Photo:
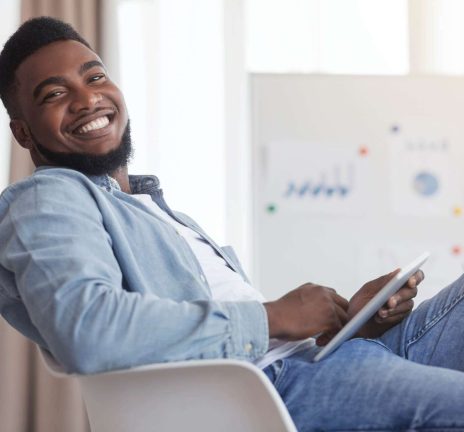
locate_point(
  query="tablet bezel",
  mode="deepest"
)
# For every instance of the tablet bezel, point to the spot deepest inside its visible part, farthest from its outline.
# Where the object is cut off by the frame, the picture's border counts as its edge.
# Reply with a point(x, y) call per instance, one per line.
point(371, 308)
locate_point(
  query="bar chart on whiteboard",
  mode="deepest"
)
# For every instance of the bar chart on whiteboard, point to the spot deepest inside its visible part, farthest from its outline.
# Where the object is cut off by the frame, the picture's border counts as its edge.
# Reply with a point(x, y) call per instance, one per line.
point(334, 183)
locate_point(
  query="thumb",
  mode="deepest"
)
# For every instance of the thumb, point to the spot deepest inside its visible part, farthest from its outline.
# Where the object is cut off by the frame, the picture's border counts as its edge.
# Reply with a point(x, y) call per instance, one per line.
point(389, 276)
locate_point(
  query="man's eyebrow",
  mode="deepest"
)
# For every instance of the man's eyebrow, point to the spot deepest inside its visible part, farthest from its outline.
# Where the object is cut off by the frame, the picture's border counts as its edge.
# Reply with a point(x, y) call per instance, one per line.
point(89, 65)
point(46, 82)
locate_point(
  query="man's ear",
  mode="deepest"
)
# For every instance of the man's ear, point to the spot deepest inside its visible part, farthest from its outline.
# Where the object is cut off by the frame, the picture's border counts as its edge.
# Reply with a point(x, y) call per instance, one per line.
point(21, 132)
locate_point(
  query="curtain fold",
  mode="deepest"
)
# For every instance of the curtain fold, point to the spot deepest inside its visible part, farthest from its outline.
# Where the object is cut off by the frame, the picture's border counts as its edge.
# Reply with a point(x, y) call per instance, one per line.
point(31, 400)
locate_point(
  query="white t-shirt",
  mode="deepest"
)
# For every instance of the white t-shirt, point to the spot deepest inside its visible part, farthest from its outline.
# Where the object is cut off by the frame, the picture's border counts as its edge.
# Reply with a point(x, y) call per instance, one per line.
point(225, 283)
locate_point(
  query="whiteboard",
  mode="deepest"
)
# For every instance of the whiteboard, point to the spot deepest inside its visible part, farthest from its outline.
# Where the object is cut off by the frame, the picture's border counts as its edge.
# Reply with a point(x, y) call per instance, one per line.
point(354, 176)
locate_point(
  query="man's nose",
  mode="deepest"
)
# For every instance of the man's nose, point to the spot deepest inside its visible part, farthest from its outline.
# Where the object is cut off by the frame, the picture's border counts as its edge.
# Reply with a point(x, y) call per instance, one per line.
point(85, 100)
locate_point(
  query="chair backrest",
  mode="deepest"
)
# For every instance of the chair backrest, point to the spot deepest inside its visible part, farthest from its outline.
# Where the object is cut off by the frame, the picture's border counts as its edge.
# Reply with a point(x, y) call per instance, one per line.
point(206, 396)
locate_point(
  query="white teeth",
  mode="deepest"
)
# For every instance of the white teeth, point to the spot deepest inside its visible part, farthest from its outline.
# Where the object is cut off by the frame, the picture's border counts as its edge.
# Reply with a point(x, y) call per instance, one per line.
point(98, 123)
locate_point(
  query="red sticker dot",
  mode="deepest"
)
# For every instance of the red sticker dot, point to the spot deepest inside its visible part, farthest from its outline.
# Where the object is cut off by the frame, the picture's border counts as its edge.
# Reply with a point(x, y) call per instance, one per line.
point(363, 151)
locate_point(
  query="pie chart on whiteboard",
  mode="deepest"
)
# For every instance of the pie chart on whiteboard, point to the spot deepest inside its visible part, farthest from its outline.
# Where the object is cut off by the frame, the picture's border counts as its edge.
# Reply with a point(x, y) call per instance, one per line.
point(426, 184)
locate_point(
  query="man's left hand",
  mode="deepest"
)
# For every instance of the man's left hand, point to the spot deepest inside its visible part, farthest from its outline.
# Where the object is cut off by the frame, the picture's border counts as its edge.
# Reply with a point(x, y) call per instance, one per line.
point(393, 311)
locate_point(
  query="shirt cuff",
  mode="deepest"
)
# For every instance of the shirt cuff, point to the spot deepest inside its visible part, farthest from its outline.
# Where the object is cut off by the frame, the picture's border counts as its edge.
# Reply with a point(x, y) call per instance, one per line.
point(249, 329)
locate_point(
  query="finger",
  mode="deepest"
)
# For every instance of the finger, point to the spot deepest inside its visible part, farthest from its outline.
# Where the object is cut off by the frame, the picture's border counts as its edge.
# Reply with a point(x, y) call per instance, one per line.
point(403, 308)
point(322, 340)
point(416, 279)
point(404, 294)
point(406, 306)
point(412, 282)
point(325, 338)
point(419, 276)
point(340, 305)
point(335, 322)
point(340, 301)
point(342, 315)
point(386, 278)
point(392, 320)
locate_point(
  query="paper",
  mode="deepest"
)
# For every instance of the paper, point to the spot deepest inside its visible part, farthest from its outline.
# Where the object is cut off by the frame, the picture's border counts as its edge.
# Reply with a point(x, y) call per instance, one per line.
point(317, 179)
point(423, 176)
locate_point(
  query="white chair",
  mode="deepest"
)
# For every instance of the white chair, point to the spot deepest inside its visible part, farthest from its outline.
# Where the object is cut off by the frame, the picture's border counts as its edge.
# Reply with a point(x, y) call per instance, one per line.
point(204, 396)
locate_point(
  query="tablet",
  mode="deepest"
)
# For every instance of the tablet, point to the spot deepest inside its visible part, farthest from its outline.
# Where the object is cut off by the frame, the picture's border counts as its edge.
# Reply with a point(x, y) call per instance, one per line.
point(371, 308)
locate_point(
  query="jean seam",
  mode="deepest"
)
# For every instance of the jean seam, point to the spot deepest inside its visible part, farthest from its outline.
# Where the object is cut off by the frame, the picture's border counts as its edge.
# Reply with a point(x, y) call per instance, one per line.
point(280, 374)
point(378, 342)
point(440, 314)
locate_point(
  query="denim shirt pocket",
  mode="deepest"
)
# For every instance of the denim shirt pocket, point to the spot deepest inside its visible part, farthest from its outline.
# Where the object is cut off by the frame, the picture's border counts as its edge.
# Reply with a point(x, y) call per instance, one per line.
point(230, 252)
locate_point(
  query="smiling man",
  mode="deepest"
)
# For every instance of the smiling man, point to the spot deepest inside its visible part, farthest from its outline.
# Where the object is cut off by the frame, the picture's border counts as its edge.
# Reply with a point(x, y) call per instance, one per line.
point(95, 143)
point(97, 269)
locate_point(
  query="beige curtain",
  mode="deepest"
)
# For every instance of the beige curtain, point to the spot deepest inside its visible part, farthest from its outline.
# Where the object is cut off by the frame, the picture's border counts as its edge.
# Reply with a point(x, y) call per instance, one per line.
point(30, 399)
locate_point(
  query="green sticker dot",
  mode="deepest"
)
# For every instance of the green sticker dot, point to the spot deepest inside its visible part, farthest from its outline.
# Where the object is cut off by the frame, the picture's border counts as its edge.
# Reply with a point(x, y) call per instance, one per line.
point(271, 208)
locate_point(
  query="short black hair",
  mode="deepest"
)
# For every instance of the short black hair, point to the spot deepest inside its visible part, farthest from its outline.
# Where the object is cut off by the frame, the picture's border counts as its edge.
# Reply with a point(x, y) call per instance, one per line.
point(30, 37)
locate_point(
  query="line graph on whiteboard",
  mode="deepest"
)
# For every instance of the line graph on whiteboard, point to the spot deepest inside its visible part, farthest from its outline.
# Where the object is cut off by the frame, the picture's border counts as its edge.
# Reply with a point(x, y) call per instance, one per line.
point(318, 179)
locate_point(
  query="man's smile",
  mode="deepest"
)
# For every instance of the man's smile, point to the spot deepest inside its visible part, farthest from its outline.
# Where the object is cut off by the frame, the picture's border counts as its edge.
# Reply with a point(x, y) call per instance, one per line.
point(99, 123)
point(94, 125)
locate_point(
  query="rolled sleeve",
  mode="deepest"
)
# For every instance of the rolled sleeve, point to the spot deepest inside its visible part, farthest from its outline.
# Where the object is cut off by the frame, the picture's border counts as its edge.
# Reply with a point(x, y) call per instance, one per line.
point(249, 329)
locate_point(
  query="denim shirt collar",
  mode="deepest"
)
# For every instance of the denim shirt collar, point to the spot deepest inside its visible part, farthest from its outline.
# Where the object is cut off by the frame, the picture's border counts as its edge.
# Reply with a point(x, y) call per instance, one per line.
point(139, 184)
point(144, 184)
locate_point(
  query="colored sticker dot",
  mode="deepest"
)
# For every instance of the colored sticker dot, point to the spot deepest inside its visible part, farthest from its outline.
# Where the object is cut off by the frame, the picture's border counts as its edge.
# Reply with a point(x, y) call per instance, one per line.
point(456, 250)
point(426, 183)
point(457, 211)
point(271, 208)
point(363, 151)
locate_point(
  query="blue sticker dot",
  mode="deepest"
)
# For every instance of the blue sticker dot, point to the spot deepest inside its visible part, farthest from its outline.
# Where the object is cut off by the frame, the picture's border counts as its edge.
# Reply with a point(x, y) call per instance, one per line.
point(426, 184)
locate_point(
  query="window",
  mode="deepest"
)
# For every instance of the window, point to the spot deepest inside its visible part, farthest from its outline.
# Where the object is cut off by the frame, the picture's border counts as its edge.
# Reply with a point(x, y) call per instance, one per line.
point(327, 36)
point(172, 75)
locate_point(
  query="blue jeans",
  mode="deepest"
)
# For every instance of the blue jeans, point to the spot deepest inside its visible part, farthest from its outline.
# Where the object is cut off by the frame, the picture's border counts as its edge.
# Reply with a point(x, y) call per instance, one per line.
point(410, 379)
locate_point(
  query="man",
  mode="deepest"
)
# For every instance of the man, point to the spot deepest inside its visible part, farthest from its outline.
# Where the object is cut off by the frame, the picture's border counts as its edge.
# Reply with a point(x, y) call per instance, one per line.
point(96, 268)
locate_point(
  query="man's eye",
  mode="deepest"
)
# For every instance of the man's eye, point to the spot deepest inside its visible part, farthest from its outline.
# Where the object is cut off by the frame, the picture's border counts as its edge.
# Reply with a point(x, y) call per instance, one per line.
point(96, 78)
point(53, 95)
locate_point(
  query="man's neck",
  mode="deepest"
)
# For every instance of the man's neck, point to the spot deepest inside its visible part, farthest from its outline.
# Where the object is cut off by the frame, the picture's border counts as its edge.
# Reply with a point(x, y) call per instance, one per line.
point(122, 177)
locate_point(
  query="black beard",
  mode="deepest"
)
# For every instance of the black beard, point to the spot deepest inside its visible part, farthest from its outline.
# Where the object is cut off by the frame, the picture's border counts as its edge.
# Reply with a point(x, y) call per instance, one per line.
point(90, 164)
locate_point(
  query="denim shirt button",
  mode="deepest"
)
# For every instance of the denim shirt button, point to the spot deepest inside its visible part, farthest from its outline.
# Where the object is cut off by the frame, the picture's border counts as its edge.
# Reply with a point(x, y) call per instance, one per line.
point(248, 348)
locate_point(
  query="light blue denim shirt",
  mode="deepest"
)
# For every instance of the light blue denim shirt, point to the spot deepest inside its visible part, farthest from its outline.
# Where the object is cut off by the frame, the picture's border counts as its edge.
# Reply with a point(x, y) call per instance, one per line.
point(87, 272)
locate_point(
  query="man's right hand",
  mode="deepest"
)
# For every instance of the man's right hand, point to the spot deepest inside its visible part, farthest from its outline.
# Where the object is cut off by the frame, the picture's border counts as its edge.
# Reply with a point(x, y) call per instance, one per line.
point(307, 311)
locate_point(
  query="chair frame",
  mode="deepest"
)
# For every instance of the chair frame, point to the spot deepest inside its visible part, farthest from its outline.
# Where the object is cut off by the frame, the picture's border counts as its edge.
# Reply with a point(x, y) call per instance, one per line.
point(199, 395)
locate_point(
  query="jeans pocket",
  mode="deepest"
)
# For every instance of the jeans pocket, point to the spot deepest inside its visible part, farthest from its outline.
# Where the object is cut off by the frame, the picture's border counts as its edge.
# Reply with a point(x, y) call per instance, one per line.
point(279, 367)
point(274, 370)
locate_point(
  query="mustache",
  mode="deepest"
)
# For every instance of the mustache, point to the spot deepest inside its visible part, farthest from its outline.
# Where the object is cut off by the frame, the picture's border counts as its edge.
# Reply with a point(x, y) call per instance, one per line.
point(110, 112)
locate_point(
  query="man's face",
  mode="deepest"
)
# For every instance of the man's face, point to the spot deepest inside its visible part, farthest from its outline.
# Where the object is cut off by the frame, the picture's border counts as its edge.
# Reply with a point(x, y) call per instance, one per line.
point(70, 110)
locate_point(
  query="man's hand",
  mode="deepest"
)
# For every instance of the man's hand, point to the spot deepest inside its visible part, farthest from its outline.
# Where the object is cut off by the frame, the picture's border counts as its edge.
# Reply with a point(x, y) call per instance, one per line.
point(395, 309)
point(307, 311)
